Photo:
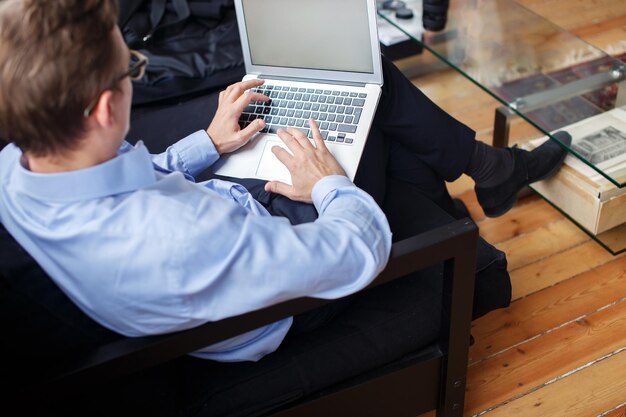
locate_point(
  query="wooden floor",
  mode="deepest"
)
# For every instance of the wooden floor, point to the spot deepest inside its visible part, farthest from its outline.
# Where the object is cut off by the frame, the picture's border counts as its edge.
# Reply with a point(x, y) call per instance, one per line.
point(560, 349)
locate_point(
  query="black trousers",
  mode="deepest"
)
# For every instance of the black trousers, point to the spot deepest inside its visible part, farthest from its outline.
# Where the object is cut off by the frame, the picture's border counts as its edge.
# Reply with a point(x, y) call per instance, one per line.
point(413, 148)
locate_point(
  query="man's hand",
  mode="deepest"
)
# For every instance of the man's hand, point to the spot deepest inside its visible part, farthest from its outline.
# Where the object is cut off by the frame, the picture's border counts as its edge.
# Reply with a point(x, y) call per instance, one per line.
point(224, 129)
point(307, 165)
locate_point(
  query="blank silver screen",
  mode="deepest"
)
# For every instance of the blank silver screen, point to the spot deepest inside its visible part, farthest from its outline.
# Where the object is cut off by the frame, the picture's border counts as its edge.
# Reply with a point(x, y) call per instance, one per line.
point(312, 34)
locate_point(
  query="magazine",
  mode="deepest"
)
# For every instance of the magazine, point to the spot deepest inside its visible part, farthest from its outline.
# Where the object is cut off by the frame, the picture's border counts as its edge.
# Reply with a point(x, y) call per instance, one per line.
point(601, 141)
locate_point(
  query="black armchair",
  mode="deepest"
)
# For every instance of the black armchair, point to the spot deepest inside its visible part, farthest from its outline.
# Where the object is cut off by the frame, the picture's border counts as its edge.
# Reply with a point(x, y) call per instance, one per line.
point(431, 378)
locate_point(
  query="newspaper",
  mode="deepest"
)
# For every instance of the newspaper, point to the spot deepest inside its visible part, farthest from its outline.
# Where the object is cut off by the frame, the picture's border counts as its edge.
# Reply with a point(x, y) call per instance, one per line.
point(600, 140)
point(601, 146)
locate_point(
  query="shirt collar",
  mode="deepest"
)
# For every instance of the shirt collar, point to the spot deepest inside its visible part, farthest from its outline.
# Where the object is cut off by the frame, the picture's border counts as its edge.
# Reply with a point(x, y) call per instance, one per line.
point(129, 171)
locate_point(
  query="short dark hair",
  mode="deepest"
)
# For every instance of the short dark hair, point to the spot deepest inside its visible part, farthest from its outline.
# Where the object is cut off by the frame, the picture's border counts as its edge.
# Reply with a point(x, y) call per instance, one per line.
point(56, 56)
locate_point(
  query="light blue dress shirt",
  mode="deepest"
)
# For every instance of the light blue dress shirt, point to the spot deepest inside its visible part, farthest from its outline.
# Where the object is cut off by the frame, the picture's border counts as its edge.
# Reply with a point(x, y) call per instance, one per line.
point(143, 250)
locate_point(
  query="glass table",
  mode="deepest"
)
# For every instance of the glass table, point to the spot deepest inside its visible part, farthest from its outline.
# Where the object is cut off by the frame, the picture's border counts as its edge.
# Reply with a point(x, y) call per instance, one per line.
point(544, 75)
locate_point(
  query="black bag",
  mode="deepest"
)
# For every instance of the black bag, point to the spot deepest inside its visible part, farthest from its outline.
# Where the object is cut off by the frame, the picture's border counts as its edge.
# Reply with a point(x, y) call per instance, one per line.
point(193, 46)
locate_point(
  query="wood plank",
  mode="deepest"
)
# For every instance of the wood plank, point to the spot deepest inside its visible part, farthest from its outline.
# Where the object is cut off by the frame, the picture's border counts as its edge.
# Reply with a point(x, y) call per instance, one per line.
point(462, 186)
point(471, 202)
point(600, 23)
point(552, 238)
point(558, 267)
point(532, 364)
point(615, 238)
point(525, 217)
point(579, 12)
point(533, 315)
point(595, 28)
point(447, 83)
point(485, 135)
point(612, 42)
point(617, 412)
point(577, 395)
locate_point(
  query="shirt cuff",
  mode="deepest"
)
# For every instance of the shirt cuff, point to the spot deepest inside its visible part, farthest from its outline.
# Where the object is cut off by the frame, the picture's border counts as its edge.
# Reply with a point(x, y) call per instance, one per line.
point(197, 151)
point(327, 185)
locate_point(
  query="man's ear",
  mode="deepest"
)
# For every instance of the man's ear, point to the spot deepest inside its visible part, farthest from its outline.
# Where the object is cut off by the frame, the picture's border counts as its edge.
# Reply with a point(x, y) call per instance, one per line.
point(103, 111)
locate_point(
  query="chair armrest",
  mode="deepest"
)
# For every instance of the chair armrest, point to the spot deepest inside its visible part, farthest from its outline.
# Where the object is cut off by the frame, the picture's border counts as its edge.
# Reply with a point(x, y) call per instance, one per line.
point(455, 242)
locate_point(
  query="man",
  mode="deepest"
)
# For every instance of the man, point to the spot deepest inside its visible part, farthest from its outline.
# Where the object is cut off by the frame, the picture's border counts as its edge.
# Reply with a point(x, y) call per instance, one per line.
point(165, 253)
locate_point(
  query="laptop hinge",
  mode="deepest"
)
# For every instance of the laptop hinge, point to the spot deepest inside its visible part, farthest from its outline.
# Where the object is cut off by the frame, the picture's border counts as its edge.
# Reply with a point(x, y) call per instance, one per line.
point(312, 80)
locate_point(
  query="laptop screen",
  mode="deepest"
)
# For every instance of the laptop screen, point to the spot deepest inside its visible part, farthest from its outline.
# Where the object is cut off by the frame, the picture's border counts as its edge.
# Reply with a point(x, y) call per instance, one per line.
point(309, 34)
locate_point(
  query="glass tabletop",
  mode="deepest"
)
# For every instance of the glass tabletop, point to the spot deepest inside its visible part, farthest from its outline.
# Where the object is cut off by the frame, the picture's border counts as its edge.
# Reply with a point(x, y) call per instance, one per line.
point(539, 71)
point(554, 81)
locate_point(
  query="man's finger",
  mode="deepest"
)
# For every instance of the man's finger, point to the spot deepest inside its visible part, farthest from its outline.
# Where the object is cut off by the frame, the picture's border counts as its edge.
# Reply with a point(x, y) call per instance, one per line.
point(243, 101)
point(298, 134)
point(317, 136)
point(246, 85)
point(292, 143)
point(283, 156)
point(250, 130)
point(278, 187)
point(236, 90)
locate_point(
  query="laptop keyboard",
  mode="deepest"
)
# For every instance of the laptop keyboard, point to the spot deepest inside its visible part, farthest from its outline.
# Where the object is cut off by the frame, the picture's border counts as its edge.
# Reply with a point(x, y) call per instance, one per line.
point(337, 113)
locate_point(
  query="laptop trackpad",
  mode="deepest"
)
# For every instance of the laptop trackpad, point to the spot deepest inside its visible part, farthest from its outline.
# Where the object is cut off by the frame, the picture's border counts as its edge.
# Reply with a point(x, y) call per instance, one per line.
point(270, 168)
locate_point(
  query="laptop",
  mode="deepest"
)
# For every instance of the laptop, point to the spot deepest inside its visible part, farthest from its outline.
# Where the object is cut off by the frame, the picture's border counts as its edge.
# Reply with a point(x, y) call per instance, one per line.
point(319, 59)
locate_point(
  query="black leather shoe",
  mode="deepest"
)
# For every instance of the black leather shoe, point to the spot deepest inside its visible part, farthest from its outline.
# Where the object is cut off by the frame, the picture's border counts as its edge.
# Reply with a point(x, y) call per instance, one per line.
point(538, 164)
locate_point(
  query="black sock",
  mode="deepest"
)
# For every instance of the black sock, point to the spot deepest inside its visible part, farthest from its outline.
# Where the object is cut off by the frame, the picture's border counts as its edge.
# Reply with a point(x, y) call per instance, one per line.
point(489, 166)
